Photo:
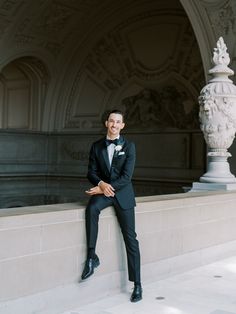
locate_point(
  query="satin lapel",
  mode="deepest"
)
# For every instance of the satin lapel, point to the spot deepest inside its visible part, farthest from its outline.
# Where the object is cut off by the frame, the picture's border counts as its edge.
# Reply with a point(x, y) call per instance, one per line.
point(105, 156)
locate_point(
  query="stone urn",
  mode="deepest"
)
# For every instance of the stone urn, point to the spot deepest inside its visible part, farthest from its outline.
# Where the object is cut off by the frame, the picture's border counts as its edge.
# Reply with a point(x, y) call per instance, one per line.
point(217, 115)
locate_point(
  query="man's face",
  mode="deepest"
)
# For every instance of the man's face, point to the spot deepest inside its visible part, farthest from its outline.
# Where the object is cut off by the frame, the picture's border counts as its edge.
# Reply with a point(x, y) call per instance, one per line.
point(114, 125)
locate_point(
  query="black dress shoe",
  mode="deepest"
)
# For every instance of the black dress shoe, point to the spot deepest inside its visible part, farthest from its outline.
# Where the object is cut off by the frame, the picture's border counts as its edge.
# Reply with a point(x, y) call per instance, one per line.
point(137, 294)
point(90, 264)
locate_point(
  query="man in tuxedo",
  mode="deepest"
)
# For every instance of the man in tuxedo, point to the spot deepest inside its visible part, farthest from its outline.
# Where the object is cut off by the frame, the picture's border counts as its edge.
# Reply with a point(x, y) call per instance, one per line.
point(110, 170)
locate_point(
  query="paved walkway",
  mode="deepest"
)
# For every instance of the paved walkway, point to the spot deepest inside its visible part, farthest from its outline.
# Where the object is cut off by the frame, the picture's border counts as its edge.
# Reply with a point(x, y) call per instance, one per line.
point(209, 289)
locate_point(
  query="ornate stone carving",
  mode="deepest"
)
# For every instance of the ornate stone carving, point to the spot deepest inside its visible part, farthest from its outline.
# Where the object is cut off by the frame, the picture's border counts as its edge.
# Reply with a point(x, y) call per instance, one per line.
point(217, 115)
point(7, 9)
point(108, 59)
point(48, 29)
point(55, 18)
point(166, 108)
point(112, 63)
point(23, 40)
point(106, 63)
point(222, 16)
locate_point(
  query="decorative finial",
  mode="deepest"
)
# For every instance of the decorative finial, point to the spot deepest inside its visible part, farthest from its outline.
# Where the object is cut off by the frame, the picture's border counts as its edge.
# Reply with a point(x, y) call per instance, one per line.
point(221, 60)
point(221, 55)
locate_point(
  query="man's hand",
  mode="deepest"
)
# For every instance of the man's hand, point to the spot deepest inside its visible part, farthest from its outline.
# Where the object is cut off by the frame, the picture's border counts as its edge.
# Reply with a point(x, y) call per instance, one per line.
point(95, 190)
point(107, 189)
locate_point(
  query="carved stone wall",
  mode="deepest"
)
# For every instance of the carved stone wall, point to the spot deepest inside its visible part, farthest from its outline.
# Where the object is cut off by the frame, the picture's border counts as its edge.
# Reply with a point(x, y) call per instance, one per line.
point(64, 62)
point(23, 85)
point(132, 60)
point(221, 15)
point(44, 168)
point(100, 52)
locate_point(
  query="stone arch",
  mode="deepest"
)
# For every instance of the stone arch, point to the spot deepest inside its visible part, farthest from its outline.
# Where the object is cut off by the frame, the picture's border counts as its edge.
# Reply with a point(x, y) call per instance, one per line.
point(24, 83)
point(202, 29)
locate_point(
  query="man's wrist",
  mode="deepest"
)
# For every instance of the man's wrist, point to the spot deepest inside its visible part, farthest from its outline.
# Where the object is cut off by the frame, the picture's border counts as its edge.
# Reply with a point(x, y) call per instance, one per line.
point(100, 182)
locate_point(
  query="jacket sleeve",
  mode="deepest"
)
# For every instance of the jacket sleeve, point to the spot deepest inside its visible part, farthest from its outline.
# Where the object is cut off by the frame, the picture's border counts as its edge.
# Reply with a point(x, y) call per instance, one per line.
point(127, 170)
point(93, 174)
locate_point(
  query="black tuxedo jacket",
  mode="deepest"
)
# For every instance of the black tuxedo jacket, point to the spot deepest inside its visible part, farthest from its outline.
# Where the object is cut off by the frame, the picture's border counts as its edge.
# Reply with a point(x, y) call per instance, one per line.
point(119, 174)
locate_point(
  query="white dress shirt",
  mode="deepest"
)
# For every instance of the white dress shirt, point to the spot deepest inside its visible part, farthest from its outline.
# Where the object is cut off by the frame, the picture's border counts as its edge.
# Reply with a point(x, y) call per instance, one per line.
point(111, 149)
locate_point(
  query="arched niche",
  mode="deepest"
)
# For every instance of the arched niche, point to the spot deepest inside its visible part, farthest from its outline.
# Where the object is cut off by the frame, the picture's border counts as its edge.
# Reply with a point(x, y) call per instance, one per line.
point(149, 47)
point(154, 50)
point(23, 85)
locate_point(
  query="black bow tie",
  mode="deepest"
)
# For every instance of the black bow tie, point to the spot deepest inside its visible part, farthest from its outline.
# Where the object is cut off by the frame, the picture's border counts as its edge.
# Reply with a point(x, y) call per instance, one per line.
point(108, 142)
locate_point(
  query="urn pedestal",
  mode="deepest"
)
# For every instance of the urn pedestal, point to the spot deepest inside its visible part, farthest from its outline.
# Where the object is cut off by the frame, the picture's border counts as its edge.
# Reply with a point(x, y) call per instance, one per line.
point(217, 114)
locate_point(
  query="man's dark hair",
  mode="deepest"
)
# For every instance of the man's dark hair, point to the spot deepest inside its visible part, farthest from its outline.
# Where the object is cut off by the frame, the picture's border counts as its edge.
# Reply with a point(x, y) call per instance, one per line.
point(116, 111)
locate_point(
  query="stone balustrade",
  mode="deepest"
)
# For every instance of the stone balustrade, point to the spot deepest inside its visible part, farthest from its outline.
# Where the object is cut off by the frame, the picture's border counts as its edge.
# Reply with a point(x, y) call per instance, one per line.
point(42, 248)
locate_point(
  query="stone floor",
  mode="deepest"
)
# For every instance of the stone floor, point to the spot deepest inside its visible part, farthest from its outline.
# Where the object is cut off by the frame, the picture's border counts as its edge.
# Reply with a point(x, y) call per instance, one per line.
point(209, 289)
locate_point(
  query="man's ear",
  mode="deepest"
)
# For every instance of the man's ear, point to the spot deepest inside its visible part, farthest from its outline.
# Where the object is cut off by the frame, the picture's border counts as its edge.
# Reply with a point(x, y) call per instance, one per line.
point(123, 125)
point(106, 123)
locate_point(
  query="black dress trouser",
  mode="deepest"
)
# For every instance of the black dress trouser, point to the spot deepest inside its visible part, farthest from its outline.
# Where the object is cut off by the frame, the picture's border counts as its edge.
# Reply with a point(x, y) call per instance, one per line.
point(126, 219)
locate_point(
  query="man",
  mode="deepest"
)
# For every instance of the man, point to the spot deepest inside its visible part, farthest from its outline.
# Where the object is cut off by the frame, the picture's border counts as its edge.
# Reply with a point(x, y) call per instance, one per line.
point(110, 169)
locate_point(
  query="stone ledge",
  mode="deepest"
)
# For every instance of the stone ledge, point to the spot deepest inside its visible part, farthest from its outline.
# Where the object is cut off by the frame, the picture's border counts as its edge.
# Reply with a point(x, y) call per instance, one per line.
point(42, 248)
point(4, 212)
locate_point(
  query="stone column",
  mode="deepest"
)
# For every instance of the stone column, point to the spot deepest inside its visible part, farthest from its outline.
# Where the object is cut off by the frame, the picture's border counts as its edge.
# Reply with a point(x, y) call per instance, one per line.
point(217, 115)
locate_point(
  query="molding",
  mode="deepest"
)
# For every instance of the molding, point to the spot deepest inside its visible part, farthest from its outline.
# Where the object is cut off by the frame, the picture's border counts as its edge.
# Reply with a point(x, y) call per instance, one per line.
point(202, 28)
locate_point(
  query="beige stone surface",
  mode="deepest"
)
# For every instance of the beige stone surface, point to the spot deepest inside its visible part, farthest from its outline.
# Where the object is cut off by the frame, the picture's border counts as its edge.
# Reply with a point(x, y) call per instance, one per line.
point(43, 248)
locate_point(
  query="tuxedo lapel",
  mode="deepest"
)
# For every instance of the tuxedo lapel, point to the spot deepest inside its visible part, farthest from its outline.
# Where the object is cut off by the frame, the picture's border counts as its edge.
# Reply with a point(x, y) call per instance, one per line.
point(104, 152)
point(105, 156)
